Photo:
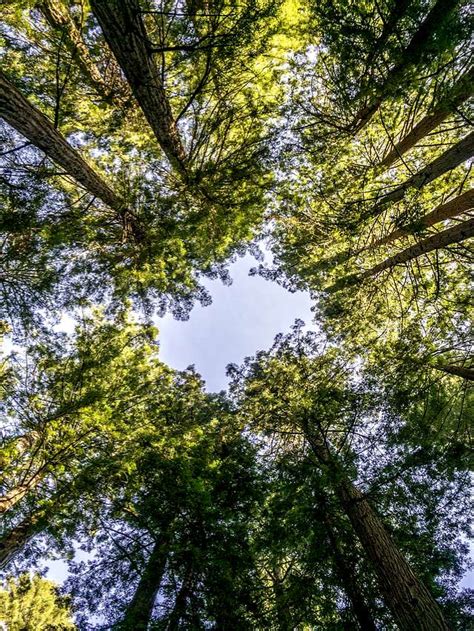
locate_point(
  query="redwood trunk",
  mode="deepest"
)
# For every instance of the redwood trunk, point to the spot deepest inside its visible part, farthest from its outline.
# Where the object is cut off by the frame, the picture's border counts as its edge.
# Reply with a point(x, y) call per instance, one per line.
point(453, 208)
point(447, 161)
point(139, 611)
point(13, 496)
point(411, 56)
point(410, 602)
point(458, 371)
point(59, 19)
point(12, 542)
point(18, 112)
point(124, 30)
point(461, 91)
point(450, 236)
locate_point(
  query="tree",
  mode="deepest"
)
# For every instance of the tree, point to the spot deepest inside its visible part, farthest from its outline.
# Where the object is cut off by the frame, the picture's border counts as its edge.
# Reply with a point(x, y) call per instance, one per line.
point(34, 603)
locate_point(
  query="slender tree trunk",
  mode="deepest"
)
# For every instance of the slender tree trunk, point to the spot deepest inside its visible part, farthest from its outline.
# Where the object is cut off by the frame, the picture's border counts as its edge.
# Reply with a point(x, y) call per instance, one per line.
point(411, 56)
point(18, 112)
point(448, 210)
point(281, 603)
point(182, 597)
point(398, 10)
point(59, 19)
point(450, 159)
point(124, 30)
point(410, 602)
point(139, 611)
point(347, 575)
point(459, 93)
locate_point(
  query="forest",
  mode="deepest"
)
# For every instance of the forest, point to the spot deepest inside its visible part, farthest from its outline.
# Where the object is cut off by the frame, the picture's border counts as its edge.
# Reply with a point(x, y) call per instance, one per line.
point(145, 146)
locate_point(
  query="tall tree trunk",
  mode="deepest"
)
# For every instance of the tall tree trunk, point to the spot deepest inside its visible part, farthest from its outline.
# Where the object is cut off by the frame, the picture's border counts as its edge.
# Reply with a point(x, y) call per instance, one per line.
point(411, 56)
point(458, 371)
point(18, 112)
point(450, 159)
point(410, 602)
point(456, 234)
point(139, 611)
point(13, 496)
point(15, 539)
point(347, 575)
point(399, 8)
point(182, 597)
point(59, 19)
point(459, 93)
point(124, 30)
point(448, 210)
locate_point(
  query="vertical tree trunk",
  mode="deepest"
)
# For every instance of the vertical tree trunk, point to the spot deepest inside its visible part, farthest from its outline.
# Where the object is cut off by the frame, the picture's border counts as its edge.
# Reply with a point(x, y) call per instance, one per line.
point(124, 30)
point(139, 611)
point(18, 112)
point(448, 210)
point(410, 602)
point(347, 575)
point(411, 56)
point(182, 597)
point(13, 496)
point(459, 93)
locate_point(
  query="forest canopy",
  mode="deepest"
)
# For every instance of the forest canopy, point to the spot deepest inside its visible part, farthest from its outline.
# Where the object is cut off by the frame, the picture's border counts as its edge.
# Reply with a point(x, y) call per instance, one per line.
point(145, 145)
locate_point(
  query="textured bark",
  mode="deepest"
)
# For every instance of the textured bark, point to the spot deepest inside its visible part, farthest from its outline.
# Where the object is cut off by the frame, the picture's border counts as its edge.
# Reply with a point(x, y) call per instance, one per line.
point(18, 112)
point(124, 30)
point(138, 613)
point(347, 575)
point(458, 233)
point(60, 20)
point(453, 208)
point(13, 541)
point(460, 92)
point(450, 159)
point(410, 602)
point(411, 56)
point(13, 496)
point(458, 371)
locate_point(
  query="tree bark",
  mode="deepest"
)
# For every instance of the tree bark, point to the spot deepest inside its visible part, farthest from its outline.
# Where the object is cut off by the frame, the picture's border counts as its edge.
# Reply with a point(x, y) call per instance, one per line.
point(140, 609)
point(458, 371)
point(124, 30)
point(347, 575)
point(410, 602)
point(60, 20)
point(13, 496)
point(449, 160)
point(179, 608)
point(456, 234)
point(12, 542)
point(18, 112)
point(448, 210)
point(460, 92)
point(411, 56)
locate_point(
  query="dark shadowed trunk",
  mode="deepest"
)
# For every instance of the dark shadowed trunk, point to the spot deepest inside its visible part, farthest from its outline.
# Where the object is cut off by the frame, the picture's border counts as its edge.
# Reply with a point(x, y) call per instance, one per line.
point(138, 613)
point(346, 572)
point(181, 601)
point(410, 602)
point(459, 93)
point(411, 56)
point(122, 24)
point(15, 539)
point(18, 112)
point(458, 371)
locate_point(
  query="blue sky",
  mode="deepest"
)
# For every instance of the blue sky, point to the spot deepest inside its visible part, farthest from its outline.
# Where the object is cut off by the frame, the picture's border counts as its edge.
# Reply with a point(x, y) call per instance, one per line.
point(243, 318)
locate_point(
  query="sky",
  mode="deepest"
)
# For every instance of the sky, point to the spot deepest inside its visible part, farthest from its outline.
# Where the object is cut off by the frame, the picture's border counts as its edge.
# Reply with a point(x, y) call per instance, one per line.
point(244, 318)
